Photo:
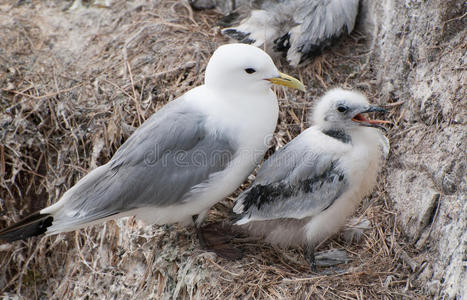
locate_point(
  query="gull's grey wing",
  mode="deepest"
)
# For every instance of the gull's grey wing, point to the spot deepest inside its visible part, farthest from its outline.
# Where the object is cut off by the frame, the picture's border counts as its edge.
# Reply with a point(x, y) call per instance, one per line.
point(157, 166)
point(320, 22)
point(297, 181)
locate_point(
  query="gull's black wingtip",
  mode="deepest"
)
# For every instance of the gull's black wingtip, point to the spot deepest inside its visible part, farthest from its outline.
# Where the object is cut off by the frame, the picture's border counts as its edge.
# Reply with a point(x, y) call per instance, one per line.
point(30, 226)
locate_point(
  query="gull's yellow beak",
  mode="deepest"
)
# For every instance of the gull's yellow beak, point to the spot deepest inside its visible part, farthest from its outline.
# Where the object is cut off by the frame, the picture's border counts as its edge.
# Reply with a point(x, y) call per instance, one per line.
point(288, 81)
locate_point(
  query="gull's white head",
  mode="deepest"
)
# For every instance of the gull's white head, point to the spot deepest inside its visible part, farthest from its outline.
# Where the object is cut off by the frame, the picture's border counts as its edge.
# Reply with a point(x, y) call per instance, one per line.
point(241, 67)
point(340, 109)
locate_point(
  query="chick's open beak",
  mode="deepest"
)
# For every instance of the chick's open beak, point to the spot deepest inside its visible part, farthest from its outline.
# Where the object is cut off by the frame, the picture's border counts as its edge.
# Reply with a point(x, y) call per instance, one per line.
point(288, 81)
point(368, 122)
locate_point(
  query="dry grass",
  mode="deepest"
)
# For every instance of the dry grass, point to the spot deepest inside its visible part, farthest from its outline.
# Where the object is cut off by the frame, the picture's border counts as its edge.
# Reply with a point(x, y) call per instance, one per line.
point(75, 84)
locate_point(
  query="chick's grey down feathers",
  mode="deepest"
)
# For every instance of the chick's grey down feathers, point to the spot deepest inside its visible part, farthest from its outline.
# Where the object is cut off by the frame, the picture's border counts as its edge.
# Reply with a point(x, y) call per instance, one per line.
point(306, 190)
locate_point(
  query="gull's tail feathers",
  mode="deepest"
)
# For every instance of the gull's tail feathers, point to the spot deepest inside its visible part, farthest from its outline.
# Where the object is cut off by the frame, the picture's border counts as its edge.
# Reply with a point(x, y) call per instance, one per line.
point(35, 224)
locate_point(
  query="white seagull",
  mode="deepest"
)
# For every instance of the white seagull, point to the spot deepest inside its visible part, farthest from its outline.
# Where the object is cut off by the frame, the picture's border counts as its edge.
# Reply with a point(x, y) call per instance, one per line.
point(300, 28)
point(305, 191)
point(186, 157)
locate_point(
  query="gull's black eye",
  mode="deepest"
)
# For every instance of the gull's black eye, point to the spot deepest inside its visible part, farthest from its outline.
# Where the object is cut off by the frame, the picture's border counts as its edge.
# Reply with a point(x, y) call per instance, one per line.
point(250, 70)
point(342, 108)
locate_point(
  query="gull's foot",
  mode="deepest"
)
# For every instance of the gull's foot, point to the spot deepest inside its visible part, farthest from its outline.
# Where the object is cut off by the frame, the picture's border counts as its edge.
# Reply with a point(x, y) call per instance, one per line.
point(325, 258)
point(217, 237)
point(331, 258)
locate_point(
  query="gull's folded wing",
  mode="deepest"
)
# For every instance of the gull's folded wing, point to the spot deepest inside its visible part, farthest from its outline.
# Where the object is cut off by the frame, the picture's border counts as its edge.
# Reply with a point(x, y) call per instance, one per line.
point(159, 164)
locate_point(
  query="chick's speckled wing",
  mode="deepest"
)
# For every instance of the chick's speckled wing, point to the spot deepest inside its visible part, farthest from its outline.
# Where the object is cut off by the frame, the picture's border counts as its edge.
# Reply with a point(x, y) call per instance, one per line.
point(299, 180)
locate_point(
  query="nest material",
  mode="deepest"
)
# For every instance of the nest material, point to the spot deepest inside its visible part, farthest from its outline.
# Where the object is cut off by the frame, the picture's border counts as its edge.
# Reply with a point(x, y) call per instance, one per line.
point(76, 83)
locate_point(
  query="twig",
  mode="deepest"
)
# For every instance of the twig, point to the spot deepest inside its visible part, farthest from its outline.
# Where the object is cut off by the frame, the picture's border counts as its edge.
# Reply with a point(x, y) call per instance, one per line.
point(138, 109)
point(43, 96)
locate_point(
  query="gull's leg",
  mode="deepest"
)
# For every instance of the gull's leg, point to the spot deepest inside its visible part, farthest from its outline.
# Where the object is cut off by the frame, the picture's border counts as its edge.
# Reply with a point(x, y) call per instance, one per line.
point(199, 233)
point(309, 252)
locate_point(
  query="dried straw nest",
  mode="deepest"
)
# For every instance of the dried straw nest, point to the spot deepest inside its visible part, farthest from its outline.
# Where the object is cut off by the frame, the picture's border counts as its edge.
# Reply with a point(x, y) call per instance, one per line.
point(76, 83)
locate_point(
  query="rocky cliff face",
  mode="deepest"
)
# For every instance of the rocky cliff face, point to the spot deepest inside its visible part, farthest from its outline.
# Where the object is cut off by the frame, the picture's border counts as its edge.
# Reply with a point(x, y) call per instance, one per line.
point(419, 56)
point(75, 82)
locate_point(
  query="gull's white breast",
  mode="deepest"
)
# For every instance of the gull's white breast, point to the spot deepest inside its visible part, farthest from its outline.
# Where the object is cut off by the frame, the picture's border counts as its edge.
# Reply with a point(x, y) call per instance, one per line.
point(249, 121)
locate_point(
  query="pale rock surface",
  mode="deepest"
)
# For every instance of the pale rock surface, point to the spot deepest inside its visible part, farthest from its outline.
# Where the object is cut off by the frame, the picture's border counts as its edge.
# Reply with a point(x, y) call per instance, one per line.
point(419, 50)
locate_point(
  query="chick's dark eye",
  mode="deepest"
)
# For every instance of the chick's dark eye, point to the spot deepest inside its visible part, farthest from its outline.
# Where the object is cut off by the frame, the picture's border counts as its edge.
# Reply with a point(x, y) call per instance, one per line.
point(342, 108)
point(250, 70)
